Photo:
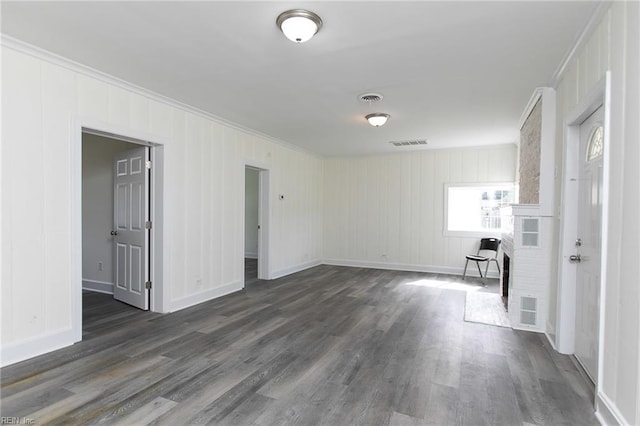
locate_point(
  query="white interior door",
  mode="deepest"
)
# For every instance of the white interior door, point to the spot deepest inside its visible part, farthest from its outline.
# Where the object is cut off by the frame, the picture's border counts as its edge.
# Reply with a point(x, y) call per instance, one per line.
point(131, 237)
point(589, 242)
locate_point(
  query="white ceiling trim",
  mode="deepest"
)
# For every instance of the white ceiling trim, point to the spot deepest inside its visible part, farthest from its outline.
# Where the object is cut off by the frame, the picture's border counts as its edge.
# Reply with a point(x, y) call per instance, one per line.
point(584, 36)
point(45, 55)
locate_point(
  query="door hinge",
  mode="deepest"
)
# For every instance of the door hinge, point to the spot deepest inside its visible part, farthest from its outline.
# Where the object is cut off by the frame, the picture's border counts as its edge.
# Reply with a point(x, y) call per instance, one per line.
point(148, 164)
point(147, 285)
point(147, 225)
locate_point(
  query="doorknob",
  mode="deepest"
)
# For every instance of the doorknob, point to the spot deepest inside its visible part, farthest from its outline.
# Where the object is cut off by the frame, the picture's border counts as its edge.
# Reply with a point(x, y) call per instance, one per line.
point(575, 258)
point(114, 232)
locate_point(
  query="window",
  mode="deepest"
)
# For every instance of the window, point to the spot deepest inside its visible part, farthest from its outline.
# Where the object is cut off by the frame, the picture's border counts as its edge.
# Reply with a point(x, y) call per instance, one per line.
point(475, 208)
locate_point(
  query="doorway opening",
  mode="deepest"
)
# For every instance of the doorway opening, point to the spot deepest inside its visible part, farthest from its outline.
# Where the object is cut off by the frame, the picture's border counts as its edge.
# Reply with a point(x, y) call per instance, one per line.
point(120, 185)
point(102, 262)
point(98, 210)
point(251, 224)
point(256, 235)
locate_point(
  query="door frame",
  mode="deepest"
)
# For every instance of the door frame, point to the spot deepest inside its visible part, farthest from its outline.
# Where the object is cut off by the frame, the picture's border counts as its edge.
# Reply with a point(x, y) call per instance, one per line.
point(264, 218)
point(159, 300)
point(598, 96)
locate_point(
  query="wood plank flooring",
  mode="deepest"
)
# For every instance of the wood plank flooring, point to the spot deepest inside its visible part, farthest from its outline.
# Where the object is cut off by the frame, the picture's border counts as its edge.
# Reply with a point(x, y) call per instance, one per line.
point(250, 271)
point(329, 345)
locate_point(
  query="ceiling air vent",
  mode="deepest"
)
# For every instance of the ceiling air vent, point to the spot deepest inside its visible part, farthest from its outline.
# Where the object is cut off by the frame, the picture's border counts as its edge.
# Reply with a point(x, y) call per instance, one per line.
point(409, 143)
point(370, 98)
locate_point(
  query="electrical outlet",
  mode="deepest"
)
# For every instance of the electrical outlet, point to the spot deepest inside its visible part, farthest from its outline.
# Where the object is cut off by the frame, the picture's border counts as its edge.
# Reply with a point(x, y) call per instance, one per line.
point(198, 282)
point(100, 266)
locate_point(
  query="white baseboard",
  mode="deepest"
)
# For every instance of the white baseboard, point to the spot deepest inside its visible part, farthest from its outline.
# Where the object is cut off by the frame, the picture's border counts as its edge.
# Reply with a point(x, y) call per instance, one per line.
point(251, 255)
point(37, 345)
point(607, 413)
point(551, 339)
point(204, 296)
point(97, 286)
point(527, 328)
point(293, 269)
point(404, 267)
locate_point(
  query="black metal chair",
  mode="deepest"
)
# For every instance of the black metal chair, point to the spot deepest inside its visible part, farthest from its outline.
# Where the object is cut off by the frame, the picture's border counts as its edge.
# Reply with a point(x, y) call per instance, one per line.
point(486, 244)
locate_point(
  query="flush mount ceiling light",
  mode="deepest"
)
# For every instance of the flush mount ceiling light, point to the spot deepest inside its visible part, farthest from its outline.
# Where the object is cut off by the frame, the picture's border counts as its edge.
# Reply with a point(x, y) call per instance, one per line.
point(377, 119)
point(299, 25)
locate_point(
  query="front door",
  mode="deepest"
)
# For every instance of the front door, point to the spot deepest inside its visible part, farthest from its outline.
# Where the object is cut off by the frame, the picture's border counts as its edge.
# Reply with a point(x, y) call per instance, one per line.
point(588, 243)
point(131, 236)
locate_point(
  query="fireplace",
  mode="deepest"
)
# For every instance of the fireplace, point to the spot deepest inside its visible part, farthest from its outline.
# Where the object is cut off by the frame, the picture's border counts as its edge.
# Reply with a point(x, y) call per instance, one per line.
point(525, 281)
point(528, 228)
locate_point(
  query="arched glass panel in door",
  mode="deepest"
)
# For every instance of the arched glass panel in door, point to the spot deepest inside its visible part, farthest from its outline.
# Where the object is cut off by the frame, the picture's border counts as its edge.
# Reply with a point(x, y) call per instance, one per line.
point(596, 143)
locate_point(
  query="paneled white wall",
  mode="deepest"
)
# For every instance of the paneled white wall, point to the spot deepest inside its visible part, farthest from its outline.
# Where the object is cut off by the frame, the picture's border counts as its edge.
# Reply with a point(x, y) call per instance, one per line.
point(615, 46)
point(203, 197)
point(387, 211)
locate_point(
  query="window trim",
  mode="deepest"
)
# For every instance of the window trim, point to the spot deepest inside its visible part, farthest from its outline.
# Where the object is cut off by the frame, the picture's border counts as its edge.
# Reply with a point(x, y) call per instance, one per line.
point(445, 229)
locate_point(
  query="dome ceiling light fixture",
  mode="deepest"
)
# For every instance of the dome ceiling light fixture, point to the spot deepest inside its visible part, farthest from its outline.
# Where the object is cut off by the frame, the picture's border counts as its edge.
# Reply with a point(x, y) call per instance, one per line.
point(377, 119)
point(299, 25)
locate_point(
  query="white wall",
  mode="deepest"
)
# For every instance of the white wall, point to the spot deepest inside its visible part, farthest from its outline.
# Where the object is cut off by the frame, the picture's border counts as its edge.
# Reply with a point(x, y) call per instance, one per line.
point(251, 181)
point(387, 211)
point(615, 46)
point(97, 209)
point(203, 195)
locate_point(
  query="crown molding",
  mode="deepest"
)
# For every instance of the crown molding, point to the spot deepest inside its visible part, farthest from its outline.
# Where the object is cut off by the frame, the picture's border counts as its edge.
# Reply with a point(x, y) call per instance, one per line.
point(55, 59)
point(595, 19)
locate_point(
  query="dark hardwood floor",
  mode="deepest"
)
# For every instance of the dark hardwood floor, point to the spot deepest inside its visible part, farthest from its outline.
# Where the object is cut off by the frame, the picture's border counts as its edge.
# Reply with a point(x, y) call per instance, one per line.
point(329, 345)
point(250, 271)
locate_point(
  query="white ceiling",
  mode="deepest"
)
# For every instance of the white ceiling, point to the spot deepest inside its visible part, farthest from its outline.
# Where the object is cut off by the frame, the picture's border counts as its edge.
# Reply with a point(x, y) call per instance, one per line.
point(454, 73)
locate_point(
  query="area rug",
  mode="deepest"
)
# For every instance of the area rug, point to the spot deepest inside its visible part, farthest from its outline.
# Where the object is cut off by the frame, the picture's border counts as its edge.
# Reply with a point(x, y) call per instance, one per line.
point(485, 308)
